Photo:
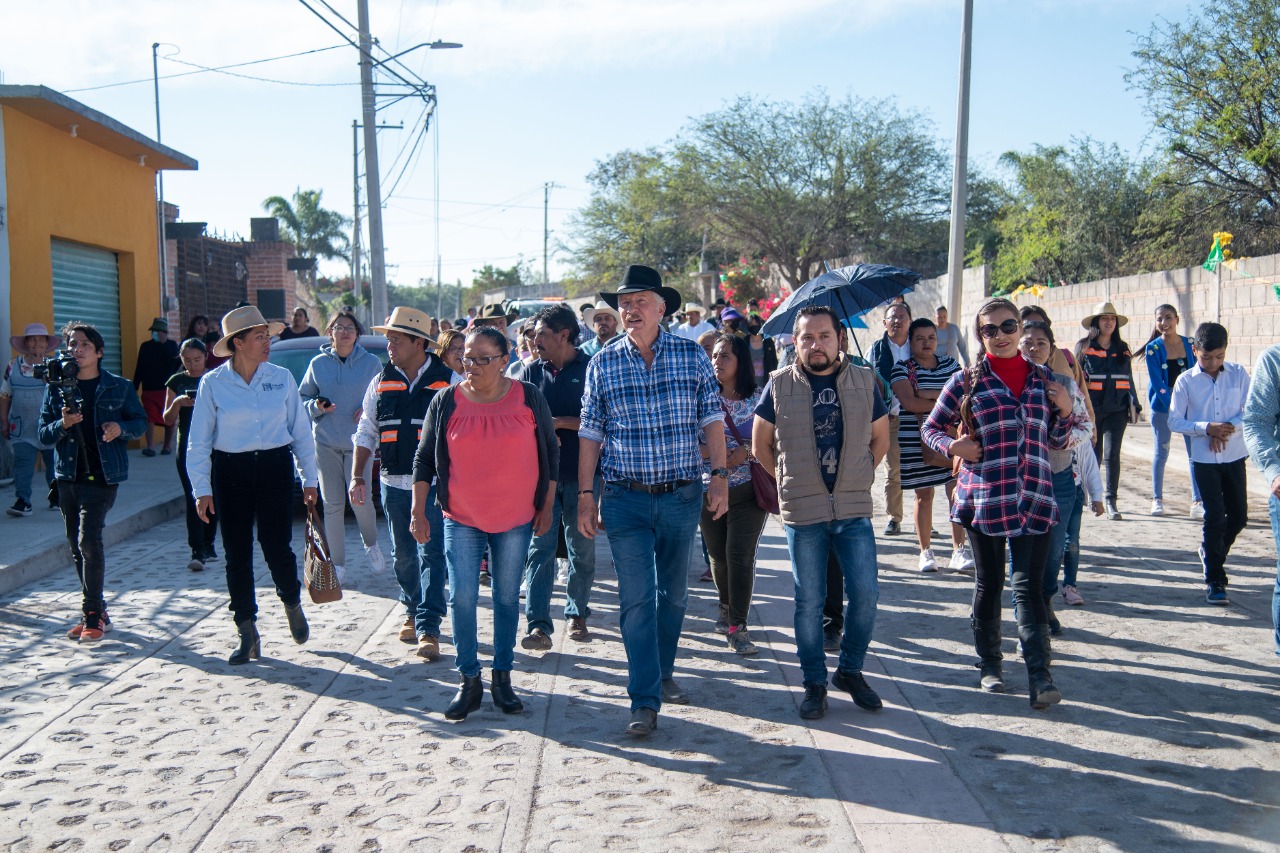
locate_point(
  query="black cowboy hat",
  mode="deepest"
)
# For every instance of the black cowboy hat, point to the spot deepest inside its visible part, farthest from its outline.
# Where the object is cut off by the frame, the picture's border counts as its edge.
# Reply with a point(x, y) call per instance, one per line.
point(494, 311)
point(640, 278)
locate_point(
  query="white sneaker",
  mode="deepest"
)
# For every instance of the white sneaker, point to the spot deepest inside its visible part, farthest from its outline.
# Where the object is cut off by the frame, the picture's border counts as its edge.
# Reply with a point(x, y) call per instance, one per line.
point(927, 563)
point(377, 563)
point(961, 559)
point(1157, 507)
point(341, 572)
point(1197, 510)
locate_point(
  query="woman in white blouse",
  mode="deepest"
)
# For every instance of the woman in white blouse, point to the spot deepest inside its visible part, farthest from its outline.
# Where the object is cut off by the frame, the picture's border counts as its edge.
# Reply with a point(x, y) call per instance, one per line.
point(248, 431)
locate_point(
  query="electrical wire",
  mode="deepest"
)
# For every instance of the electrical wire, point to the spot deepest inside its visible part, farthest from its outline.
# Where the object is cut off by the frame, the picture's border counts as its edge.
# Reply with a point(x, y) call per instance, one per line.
point(204, 69)
point(252, 77)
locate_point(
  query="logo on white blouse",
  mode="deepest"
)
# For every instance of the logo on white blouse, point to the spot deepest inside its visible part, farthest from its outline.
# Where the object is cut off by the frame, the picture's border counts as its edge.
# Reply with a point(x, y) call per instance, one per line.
point(272, 386)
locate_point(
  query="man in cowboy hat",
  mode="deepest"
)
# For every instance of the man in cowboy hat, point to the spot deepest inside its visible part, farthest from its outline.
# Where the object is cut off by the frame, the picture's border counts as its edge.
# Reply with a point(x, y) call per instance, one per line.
point(494, 315)
point(157, 361)
point(693, 325)
point(604, 320)
point(647, 398)
point(21, 395)
point(391, 417)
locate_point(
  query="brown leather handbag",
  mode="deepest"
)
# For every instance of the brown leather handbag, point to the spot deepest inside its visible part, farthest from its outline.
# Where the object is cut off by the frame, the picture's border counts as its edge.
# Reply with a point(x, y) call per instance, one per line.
point(764, 484)
point(927, 454)
point(318, 573)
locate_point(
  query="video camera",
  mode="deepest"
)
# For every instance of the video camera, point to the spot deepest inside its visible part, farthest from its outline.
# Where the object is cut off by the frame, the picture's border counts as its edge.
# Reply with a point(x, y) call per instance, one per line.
point(60, 370)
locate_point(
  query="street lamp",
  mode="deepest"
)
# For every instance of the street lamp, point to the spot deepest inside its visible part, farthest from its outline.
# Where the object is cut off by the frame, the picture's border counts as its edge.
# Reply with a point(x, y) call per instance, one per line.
point(433, 45)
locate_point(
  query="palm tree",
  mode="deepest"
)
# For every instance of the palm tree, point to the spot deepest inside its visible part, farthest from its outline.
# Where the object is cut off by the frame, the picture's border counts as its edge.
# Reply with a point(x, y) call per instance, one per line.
point(313, 231)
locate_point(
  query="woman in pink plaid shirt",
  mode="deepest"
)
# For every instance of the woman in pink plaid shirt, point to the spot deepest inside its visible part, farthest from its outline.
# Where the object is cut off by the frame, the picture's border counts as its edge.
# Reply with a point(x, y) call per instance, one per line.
point(1010, 412)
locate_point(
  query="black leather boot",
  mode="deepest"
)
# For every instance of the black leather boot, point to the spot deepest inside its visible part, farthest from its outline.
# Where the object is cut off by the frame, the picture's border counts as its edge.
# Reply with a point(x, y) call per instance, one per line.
point(1035, 651)
point(298, 626)
point(1055, 627)
point(504, 698)
point(986, 640)
point(250, 646)
point(470, 693)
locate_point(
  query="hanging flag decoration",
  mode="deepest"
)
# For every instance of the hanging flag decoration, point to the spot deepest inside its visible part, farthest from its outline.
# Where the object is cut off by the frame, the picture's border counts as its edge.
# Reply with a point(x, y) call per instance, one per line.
point(1219, 252)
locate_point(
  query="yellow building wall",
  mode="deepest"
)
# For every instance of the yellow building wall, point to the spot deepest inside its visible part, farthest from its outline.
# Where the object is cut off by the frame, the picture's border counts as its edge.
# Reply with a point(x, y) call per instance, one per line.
point(62, 186)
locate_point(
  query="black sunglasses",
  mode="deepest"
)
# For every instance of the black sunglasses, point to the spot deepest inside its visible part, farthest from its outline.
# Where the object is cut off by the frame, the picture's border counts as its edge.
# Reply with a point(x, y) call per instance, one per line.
point(990, 330)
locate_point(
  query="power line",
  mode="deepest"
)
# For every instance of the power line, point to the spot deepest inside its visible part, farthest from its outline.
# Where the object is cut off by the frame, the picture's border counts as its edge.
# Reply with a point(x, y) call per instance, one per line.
point(252, 77)
point(204, 69)
point(485, 203)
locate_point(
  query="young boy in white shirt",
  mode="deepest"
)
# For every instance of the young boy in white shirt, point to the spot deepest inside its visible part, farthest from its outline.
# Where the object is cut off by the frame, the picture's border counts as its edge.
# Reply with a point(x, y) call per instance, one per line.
point(1208, 405)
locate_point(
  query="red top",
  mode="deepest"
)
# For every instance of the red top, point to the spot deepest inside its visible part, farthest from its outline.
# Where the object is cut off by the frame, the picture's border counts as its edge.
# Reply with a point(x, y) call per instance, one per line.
point(1012, 371)
point(493, 455)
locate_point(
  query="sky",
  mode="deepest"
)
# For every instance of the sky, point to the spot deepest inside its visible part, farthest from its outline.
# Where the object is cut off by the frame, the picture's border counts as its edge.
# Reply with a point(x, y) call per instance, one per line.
point(544, 89)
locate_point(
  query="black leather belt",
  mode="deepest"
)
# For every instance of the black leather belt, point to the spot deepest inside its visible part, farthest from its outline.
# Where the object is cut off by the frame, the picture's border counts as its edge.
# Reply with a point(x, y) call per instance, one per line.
point(654, 488)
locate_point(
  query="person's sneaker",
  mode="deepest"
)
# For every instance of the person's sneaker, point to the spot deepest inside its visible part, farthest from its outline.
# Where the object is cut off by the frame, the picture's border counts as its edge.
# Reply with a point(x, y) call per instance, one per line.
point(706, 576)
point(831, 639)
point(1197, 510)
point(377, 562)
point(814, 705)
point(1157, 507)
point(537, 640)
point(1112, 513)
point(722, 620)
point(740, 642)
point(340, 572)
point(94, 627)
point(196, 564)
point(1217, 594)
point(578, 631)
point(893, 528)
point(485, 579)
point(78, 628)
point(209, 555)
point(856, 686)
point(962, 559)
point(1071, 597)
point(927, 562)
point(20, 508)
point(408, 633)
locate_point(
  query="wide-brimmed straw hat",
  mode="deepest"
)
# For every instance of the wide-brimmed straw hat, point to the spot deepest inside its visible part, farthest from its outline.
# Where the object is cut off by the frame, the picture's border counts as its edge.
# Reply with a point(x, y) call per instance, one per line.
point(601, 307)
point(1101, 309)
point(237, 321)
point(409, 321)
point(693, 306)
point(34, 330)
point(639, 278)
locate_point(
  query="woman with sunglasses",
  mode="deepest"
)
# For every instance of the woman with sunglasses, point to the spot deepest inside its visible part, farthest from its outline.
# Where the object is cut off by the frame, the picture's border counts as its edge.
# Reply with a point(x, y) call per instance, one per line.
point(333, 391)
point(500, 434)
point(1012, 414)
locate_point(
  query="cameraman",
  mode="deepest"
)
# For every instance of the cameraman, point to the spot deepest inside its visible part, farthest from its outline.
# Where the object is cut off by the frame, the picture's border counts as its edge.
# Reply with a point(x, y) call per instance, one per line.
point(89, 462)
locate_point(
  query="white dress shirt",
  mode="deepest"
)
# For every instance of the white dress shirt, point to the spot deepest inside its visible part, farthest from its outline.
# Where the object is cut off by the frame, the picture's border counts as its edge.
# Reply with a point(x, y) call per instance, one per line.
point(1198, 401)
point(235, 416)
point(367, 434)
point(684, 330)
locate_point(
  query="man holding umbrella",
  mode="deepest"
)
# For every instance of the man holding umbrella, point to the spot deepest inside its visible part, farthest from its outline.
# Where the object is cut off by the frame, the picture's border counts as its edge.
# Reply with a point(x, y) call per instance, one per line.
point(646, 399)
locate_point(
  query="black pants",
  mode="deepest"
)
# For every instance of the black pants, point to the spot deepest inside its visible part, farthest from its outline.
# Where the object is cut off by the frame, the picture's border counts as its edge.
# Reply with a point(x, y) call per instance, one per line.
point(84, 511)
point(833, 609)
point(1107, 448)
point(200, 536)
point(256, 488)
point(731, 543)
point(1224, 490)
point(1029, 556)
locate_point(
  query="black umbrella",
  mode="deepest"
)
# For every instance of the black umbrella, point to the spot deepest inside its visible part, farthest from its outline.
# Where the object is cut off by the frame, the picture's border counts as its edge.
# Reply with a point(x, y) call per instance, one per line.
point(849, 291)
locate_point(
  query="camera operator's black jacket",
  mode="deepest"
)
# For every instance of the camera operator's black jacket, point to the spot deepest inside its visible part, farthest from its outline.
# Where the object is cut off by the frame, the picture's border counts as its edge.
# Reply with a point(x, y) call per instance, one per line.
point(116, 401)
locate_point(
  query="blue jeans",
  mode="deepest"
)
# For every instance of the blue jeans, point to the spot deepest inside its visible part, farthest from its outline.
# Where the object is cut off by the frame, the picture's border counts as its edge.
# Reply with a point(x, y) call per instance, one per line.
point(1064, 493)
point(24, 468)
point(1275, 595)
point(854, 545)
point(651, 537)
point(1160, 427)
point(540, 565)
point(1071, 553)
point(420, 569)
point(464, 547)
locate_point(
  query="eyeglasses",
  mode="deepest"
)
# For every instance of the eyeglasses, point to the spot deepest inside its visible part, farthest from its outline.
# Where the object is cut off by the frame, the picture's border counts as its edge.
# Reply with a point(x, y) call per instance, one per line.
point(1008, 327)
point(344, 330)
point(468, 361)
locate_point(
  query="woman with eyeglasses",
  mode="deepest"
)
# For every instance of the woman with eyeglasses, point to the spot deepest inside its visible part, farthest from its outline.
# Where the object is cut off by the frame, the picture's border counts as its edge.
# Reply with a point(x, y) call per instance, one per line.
point(450, 345)
point(1011, 414)
point(495, 430)
point(333, 391)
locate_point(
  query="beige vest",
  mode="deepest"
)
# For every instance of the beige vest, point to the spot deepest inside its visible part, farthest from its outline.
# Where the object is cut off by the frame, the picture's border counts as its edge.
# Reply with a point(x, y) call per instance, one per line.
point(802, 494)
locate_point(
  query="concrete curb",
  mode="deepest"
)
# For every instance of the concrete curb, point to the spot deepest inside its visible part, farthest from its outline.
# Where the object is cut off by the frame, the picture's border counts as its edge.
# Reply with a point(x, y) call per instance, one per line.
point(54, 558)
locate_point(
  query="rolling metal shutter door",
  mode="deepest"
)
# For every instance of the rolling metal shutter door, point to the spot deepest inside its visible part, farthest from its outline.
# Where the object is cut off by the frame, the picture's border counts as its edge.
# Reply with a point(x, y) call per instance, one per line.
point(86, 286)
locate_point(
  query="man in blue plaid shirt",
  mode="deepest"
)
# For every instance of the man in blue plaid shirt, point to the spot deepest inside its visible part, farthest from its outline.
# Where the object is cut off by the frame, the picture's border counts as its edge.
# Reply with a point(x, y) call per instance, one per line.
point(647, 397)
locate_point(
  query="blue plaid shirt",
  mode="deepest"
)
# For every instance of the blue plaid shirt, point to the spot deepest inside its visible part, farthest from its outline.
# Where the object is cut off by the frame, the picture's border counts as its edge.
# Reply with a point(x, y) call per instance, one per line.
point(647, 420)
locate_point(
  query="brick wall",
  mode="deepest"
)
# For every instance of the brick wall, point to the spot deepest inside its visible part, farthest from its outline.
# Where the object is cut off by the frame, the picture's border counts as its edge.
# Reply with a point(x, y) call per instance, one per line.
point(211, 277)
point(267, 265)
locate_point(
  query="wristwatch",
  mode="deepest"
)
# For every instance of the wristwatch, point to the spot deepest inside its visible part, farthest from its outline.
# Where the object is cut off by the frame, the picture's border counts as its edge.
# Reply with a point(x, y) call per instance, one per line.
point(720, 472)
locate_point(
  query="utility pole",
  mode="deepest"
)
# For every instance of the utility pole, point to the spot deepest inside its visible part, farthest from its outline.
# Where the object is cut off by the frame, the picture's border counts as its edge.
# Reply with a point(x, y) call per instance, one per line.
point(164, 252)
point(378, 269)
point(546, 232)
point(435, 180)
point(355, 216)
point(960, 172)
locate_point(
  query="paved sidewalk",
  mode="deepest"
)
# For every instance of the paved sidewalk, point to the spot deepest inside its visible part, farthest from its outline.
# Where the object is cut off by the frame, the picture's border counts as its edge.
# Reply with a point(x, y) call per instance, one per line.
point(1169, 738)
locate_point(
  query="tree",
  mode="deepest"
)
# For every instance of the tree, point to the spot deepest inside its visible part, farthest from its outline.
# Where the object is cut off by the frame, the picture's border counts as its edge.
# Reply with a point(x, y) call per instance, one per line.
point(313, 231)
point(799, 183)
point(1213, 91)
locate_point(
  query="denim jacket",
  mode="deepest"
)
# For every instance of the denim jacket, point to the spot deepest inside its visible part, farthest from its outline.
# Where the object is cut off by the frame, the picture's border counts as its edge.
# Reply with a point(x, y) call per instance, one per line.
point(116, 401)
point(1159, 391)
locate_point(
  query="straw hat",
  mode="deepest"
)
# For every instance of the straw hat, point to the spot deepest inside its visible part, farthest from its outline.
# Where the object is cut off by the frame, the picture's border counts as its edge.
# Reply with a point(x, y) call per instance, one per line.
point(693, 306)
point(34, 330)
point(237, 321)
point(408, 321)
point(1104, 308)
point(602, 307)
